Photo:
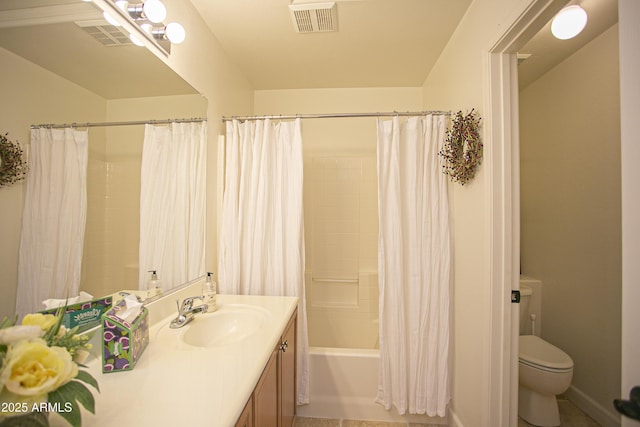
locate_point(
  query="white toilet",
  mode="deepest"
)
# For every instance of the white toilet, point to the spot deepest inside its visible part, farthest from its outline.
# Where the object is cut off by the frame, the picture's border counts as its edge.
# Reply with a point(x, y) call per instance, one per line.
point(544, 372)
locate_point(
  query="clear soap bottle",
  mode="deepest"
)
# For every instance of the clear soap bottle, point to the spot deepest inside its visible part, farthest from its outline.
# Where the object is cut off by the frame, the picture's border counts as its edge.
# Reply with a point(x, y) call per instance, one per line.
point(153, 285)
point(209, 293)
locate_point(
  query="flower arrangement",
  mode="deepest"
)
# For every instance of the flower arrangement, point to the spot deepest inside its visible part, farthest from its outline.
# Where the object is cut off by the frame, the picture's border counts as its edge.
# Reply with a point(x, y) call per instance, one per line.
point(39, 371)
point(12, 167)
point(462, 152)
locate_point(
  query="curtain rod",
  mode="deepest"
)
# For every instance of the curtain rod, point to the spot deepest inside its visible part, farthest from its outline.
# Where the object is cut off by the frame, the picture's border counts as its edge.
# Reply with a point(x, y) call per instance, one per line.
point(129, 123)
point(336, 115)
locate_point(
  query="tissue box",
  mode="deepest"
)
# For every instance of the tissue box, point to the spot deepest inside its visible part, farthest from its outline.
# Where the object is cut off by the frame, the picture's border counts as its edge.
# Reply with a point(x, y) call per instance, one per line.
point(123, 342)
point(85, 314)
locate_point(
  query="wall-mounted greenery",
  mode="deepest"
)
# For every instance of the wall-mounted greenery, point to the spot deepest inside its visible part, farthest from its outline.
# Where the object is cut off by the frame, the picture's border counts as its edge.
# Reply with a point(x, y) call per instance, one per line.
point(12, 166)
point(462, 151)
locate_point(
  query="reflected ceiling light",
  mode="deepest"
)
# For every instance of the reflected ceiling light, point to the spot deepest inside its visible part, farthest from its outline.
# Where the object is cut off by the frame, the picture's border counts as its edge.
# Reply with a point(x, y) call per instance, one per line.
point(173, 32)
point(135, 40)
point(110, 19)
point(153, 10)
point(569, 22)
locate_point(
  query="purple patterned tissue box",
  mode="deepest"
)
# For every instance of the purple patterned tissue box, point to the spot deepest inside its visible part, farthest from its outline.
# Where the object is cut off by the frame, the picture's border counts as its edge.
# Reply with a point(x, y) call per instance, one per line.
point(123, 342)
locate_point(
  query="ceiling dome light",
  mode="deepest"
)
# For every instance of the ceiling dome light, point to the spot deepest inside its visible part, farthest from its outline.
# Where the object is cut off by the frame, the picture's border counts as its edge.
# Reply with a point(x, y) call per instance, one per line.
point(175, 32)
point(154, 10)
point(569, 22)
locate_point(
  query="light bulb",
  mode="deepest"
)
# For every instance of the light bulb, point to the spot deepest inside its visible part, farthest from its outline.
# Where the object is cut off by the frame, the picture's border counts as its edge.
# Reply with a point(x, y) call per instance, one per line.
point(135, 40)
point(122, 5)
point(154, 10)
point(146, 27)
point(110, 19)
point(175, 32)
point(569, 22)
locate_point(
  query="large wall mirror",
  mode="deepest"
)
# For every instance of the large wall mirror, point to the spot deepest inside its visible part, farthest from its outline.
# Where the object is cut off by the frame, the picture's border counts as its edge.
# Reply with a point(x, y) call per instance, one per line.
point(71, 39)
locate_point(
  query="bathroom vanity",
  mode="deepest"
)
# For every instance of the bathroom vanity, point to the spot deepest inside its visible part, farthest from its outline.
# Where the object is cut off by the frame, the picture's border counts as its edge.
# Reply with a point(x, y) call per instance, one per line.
point(233, 367)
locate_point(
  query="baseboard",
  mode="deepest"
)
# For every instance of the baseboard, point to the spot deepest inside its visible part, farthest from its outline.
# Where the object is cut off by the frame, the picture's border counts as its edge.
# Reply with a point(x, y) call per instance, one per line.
point(603, 416)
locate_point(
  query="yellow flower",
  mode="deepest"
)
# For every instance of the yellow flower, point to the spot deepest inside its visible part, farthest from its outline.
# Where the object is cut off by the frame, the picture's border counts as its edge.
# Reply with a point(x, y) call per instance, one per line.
point(34, 369)
point(44, 321)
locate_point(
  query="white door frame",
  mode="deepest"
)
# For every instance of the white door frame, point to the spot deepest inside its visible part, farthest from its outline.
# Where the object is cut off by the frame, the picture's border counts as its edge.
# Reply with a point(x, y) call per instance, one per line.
point(503, 165)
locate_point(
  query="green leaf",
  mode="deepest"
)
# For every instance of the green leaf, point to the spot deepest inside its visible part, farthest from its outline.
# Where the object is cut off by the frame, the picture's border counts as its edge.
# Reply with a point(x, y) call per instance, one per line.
point(75, 390)
point(86, 378)
point(59, 396)
point(72, 393)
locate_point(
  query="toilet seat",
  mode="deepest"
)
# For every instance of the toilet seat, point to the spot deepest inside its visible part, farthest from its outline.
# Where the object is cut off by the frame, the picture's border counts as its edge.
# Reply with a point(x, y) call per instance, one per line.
point(539, 354)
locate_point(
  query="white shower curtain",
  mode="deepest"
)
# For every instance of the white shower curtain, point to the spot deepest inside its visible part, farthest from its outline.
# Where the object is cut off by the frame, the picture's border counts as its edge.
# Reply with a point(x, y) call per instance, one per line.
point(172, 203)
point(53, 218)
point(414, 262)
point(262, 233)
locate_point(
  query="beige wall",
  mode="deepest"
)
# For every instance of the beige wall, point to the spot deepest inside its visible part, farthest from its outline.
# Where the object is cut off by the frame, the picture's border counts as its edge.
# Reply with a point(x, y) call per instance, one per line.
point(570, 210)
point(22, 86)
point(459, 82)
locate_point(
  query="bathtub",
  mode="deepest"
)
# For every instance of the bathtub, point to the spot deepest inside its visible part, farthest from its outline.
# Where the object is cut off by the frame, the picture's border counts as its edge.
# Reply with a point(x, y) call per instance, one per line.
point(343, 383)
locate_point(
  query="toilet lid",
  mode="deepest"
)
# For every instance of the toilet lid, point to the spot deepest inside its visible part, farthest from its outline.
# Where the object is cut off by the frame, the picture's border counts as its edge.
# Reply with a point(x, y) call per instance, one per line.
point(536, 351)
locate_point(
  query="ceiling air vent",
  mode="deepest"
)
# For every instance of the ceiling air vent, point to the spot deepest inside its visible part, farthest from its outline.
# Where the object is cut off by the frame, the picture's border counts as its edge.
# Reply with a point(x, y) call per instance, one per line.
point(314, 17)
point(108, 35)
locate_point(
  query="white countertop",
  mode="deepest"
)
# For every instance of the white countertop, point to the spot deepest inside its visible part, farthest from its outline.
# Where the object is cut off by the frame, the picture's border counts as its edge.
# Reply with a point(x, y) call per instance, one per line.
point(193, 386)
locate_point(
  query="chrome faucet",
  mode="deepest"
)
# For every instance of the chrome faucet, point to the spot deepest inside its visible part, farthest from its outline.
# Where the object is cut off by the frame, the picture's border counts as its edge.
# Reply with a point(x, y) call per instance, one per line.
point(187, 311)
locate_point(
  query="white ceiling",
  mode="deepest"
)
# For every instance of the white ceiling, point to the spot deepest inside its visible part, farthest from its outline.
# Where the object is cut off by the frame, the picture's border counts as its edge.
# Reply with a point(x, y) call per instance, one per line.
point(379, 43)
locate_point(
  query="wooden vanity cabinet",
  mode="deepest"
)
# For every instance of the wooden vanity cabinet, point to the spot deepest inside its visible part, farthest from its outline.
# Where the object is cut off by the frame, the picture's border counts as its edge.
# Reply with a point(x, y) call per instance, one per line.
point(246, 418)
point(287, 369)
point(274, 398)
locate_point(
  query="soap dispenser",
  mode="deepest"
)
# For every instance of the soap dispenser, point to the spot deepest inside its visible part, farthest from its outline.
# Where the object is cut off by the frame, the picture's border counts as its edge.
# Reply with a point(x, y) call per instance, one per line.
point(209, 293)
point(153, 285)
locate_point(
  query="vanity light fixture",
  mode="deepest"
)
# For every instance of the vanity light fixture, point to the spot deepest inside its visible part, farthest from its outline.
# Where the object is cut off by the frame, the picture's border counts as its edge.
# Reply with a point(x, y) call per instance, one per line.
point(153, 10)
point(173, 32)
point(143, 19)
point(569, 22)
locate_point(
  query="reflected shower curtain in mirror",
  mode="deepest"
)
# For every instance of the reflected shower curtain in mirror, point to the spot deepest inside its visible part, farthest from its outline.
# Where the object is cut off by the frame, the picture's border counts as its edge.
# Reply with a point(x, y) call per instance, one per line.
point(172, 203)
point(262, 233)
point(53, 218)
point(414, 263)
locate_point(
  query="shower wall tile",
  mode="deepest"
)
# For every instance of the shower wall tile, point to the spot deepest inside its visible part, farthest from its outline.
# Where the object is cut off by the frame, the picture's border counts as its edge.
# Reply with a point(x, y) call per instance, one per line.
point(341, 232)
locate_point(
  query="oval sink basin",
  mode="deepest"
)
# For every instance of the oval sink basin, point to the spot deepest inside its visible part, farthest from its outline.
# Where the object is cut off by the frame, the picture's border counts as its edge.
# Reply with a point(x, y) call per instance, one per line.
point(227, 325)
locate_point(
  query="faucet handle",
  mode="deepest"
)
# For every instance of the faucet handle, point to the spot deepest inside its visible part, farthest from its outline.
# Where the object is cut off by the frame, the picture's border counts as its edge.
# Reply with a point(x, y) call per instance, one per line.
point(187, 303)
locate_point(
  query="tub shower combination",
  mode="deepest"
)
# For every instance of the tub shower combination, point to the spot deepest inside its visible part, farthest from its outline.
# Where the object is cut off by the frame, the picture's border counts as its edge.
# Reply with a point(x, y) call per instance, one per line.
point(343, 380)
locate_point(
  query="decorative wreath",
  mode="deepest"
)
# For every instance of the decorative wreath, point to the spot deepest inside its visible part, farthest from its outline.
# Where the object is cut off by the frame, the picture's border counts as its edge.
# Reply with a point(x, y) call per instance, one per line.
point(462, 152)
point(12, 167)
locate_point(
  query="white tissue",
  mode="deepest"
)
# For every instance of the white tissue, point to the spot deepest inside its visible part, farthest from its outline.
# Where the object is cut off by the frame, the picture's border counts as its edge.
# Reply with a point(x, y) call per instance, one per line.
point(55, 303)
point(133, 308)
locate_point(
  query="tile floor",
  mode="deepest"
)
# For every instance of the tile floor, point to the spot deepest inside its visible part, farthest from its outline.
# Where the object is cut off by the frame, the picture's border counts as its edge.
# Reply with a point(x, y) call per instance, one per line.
point(570, 416)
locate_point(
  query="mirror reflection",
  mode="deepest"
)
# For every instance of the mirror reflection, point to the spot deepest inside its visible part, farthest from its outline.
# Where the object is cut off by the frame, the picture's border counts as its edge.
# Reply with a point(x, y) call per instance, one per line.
point(113, 81)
